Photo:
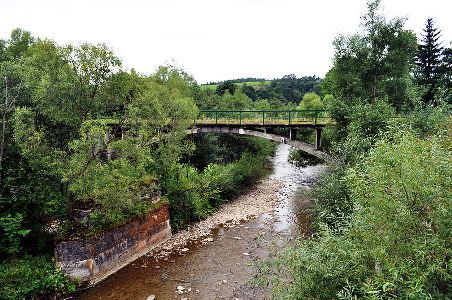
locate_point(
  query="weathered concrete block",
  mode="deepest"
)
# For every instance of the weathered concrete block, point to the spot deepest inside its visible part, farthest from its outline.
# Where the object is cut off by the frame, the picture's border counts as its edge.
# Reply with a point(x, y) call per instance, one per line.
point(93, 259)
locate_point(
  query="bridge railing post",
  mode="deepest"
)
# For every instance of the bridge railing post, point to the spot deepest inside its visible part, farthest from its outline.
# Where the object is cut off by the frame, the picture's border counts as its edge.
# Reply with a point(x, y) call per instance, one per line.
point(263, 117)
point(289, 117)
point(240, 117)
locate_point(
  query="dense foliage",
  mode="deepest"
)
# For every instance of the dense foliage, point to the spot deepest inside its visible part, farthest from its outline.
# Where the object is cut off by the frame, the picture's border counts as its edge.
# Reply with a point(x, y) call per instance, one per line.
point(86, 145)
point(397, 241)
point(217, 170)
point(79, 134)
point(383, 211)
point(32, 278)
point(281, 93)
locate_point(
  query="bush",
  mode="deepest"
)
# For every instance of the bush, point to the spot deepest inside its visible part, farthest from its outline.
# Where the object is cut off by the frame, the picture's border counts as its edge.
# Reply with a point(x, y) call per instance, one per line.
point(398, 242)
point(194, 194)
point(332, 203)
point(367, 122)
point(427, 121)
point(11, 234)
point(32, 277)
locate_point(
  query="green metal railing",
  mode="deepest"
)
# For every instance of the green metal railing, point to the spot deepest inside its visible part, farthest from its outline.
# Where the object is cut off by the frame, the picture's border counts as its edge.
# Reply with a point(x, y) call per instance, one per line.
point(264, 117)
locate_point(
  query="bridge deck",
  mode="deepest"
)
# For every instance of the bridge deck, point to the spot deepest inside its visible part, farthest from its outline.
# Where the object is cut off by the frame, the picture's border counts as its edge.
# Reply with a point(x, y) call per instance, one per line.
point(311, 149)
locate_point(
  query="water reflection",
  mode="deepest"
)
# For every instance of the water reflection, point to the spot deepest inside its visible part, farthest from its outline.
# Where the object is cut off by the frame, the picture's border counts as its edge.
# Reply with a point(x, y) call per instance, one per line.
point(290, 214)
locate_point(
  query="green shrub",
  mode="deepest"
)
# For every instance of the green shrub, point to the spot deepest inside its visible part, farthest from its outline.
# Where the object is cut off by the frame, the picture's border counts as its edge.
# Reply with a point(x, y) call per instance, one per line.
point(11, 233)
point(31, 278)
point(367, 122)
point(332, 203)
point(427, 121)
point(398, 242)
point(194, 194)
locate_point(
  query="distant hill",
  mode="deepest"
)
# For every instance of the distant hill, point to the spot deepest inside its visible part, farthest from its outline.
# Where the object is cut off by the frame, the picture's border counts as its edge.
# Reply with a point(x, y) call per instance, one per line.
point(288, 89)
point(238, 82)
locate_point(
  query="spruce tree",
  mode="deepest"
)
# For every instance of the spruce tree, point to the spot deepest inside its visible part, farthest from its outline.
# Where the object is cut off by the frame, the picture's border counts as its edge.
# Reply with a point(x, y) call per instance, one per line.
point(446, 78)
point(428, 61)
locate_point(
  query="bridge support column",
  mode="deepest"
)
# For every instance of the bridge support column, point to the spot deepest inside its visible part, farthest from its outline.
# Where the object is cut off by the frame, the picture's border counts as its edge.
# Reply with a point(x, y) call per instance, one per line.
point(292, 133)
point(318, 134)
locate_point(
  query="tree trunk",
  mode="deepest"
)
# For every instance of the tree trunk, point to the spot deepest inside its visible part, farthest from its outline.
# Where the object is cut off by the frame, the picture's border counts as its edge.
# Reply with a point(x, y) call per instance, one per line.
point(374, 93)
point(2, 144)
point(3, 133)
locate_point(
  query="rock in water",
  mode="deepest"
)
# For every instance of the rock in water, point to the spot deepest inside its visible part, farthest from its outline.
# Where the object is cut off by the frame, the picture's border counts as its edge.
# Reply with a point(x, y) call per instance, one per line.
point(180, 289)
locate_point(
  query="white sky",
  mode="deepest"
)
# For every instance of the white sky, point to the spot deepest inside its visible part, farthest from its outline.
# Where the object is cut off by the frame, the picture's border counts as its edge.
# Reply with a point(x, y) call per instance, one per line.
point(213, 40)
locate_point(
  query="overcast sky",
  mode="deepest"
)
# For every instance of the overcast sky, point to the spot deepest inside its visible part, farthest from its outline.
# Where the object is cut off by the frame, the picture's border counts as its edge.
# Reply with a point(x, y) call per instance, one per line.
point(213, 40)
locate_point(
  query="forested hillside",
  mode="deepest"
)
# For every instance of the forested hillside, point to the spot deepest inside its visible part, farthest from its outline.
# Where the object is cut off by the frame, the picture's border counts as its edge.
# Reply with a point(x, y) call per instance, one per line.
point(281, 93)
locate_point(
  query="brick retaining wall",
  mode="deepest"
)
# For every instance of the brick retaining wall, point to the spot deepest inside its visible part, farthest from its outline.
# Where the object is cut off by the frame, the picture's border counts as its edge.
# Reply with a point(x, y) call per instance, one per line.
point(93, 259)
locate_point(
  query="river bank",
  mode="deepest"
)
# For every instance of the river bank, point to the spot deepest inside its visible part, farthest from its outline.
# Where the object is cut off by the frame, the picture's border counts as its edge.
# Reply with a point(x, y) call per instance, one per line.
point(214, 258)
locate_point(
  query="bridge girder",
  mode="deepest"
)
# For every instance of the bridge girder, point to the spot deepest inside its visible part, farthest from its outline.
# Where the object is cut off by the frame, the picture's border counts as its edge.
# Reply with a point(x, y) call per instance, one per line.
point(308, 148)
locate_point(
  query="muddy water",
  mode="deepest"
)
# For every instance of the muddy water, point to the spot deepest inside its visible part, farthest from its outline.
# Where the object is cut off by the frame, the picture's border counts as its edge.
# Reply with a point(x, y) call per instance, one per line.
point(222, 267)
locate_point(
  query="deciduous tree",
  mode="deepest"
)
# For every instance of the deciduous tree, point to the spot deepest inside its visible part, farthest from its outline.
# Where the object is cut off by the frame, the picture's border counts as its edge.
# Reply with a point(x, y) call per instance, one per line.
point(376, 64)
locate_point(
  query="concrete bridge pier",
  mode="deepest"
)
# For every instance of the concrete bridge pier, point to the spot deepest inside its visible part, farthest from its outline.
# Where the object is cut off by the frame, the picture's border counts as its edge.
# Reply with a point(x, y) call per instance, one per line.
point(318, 134)
point(292, 133)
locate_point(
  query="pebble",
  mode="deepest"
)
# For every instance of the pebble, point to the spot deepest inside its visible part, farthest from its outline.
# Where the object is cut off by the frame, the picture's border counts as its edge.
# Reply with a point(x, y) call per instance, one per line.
point(246, 254)
point(151, 297)
point(258, 200)
point(180, 288)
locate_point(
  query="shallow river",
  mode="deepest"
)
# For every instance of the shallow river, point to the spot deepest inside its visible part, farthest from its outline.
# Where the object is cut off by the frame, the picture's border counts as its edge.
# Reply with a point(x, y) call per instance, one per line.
point(223, 267)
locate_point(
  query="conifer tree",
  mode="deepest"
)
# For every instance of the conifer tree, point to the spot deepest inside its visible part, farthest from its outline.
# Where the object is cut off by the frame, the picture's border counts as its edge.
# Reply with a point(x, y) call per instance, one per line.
point(446, 79)
point(428, 61)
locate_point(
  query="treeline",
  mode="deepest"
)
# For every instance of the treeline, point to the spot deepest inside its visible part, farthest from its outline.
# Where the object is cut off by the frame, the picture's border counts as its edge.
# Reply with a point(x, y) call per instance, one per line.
point(239, 80)
point(283, 93)
point(383, 212)
point(86, 145)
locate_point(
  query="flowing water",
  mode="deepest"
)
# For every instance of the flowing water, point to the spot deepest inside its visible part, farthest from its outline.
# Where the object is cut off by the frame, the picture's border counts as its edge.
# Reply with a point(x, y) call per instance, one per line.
point(223, 268)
